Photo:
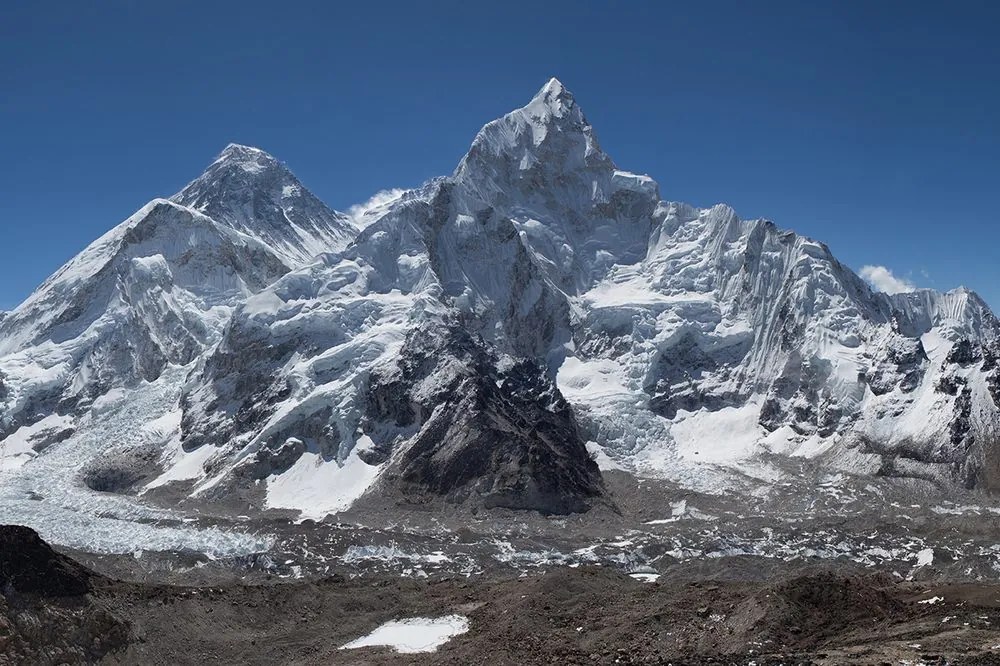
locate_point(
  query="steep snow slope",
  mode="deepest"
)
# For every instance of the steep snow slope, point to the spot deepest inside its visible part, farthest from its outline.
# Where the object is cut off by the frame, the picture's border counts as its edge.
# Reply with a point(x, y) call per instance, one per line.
point(153, 292)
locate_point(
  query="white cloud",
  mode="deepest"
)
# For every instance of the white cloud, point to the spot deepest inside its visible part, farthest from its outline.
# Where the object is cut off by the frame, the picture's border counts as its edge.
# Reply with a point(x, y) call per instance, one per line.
point(357, 211)
point(882, 279)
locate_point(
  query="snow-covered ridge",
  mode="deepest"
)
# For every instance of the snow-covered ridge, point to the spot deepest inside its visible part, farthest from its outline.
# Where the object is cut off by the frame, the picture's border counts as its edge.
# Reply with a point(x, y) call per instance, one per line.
point(153, 292)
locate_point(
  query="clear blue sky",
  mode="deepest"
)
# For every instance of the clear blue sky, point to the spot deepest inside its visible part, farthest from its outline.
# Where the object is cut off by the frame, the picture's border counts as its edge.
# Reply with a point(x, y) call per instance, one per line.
point(872, 126)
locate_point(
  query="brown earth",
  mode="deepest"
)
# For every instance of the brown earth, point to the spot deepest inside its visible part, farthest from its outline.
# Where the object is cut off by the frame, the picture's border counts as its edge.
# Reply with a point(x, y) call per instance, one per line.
point(54, 611)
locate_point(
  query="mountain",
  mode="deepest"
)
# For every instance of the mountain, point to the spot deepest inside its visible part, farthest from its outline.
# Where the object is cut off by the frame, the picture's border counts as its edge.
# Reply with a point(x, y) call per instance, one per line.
point(450, 266)
point(249, 191)
point(734, 339)
point(155, 291)
point(497, 337)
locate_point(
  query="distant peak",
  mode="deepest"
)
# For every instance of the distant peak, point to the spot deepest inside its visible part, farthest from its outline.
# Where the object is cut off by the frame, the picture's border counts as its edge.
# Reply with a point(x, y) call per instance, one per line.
point(554, 88)
point(236, 149)
point(250, 159)
point(236, 168)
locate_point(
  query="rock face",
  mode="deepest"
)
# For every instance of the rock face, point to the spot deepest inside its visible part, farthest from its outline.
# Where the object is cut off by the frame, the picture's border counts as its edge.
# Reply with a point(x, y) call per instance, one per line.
point(506, 436)
point(488, 333)
point(28, 565)
point(46, 613)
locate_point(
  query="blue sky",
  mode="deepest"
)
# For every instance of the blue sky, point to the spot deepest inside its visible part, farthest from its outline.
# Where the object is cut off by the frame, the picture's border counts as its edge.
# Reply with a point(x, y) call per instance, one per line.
point(870, 126)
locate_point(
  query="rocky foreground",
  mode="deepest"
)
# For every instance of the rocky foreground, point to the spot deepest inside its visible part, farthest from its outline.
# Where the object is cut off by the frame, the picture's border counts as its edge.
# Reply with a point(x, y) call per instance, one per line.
point(728, 611)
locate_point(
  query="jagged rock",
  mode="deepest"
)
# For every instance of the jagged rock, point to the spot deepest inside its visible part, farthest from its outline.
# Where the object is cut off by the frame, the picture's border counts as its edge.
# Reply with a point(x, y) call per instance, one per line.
point(505, 437)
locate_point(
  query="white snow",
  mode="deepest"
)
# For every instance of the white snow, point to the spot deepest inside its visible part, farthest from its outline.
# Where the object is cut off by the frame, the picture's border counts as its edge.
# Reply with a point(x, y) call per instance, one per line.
point(785, 441)
point(603, 460)
point(184, 466)
point(729, 434)
point(591, 380)
point(414, 635)
point(16, 449)
point(316, 487)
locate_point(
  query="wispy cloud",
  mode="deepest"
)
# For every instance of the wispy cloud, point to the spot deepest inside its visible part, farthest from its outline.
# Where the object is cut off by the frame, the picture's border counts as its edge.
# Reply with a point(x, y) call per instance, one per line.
point(882, 279)
point(381, 198)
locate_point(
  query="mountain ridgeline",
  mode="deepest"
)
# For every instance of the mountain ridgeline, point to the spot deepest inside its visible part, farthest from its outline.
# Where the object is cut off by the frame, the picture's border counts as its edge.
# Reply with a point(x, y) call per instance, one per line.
point(497, 337)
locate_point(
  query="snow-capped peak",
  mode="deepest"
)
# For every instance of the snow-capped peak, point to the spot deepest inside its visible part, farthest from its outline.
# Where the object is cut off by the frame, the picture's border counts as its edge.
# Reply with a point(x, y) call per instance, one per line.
point(537, 150)
point(247, 158)
point(235, 169)
point(252, 192)
point(554, 100)
point(554, 87)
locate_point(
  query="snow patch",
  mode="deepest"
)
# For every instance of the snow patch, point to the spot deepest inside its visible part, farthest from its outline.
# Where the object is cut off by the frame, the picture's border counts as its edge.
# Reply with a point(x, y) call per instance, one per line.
point(316, 487)
point(414, 635)
point(726, 435)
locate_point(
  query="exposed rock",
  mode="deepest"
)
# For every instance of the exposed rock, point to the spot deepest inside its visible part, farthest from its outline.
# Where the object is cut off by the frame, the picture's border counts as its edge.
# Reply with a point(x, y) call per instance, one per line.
point(506, 438)
point(28, 565)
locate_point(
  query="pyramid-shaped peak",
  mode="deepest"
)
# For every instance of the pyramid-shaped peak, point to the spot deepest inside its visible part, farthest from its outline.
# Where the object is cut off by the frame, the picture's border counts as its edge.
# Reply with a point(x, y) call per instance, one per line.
point(549, 136)
point(248, 158)
point(242, 149)
point(248, 190)
point(554, 99)
point(236, 168)
point(554, 88)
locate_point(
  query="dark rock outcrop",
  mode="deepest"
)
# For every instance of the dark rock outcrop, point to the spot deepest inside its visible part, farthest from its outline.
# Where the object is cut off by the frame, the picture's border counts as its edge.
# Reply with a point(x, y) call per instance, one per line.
point(47, 614)
point(506, 437)
point(28, 565)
